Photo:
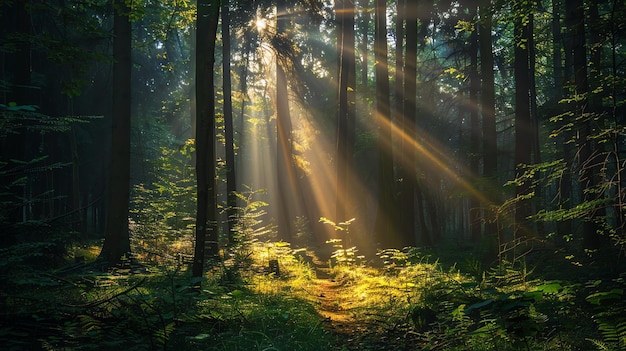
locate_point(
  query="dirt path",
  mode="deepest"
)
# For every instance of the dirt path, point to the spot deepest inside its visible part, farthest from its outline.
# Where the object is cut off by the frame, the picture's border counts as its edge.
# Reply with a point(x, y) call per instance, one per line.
point(332, 304)
point(335, 303)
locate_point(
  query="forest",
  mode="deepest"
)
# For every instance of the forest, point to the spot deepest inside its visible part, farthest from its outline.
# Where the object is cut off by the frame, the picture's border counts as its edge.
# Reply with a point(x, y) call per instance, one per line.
point(312, 175)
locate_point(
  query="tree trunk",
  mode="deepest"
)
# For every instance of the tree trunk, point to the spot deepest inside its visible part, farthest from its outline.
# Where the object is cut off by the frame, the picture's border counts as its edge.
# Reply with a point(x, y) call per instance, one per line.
point(345, 121)
point(206, 219)
point(397, 118)
point(117, 241)
point(523, 129)
point(565, 186)
point(383, 226)
point(474, 149)
point(408, 151)
point(575, 18)
point(488, 109)
point(231, 179)
point(284, 153)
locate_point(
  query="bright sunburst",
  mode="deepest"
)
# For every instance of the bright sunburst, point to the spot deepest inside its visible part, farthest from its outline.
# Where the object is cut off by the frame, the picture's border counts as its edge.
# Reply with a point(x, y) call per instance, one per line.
point(260, 24)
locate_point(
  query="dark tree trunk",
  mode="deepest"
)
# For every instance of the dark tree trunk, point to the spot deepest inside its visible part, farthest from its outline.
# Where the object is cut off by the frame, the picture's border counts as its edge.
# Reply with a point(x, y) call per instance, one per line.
point(286, 179)
point(488, 109)
point(117, 242)
point(206, 244)
point(474, 149)
point(523, 126)
point(397, 118)
point(229, 135)
point(345, 122)
point(575, 18)
point(565, 185)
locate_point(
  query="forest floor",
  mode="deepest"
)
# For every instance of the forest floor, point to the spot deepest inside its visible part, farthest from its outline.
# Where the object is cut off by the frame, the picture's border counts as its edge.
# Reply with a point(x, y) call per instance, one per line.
point(334, 305)
point(310, 305)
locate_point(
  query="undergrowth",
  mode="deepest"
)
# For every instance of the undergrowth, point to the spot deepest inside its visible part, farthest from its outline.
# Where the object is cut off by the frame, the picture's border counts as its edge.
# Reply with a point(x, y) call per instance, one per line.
point(411, 301)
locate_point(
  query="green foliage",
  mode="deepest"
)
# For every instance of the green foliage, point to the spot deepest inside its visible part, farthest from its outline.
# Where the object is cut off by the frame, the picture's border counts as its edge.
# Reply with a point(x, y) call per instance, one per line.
point(32, 233)
point(342, 255)
point(609, 307)
point(164, 212)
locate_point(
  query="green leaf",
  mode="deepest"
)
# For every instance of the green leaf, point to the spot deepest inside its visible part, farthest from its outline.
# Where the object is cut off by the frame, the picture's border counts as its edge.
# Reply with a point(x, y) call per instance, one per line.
point(478, 305)
point(599, 297)
point(549, 288)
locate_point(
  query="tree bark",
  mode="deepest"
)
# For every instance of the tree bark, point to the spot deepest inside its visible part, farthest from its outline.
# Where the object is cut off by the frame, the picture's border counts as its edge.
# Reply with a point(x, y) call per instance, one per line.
point(523, 126)
point(345, 121)
point(565, 185)
point(229, 135)
point(117, 241)
point(206, 243)
point(475, 133)
point(288, 192)
point(488, 110)
point(575, 17)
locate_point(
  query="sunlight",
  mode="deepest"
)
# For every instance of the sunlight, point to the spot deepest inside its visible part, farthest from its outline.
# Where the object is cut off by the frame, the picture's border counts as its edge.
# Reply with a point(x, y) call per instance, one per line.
point(434, 158)
point(260, 24)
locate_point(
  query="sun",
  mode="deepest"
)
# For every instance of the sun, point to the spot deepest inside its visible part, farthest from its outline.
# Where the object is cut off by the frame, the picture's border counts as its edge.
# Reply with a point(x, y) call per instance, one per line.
point(260, 24)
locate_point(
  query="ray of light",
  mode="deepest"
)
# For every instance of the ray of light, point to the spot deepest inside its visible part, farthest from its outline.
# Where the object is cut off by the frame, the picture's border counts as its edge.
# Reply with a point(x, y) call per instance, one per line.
point(432, 156)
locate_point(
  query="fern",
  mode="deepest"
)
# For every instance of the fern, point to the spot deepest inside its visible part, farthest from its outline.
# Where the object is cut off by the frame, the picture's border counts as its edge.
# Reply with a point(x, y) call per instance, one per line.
point(601, 346)
point(614, 333)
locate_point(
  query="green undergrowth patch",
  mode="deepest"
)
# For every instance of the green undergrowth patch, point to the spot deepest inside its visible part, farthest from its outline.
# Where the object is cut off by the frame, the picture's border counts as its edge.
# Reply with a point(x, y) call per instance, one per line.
point(270, 298)
point(79, 306)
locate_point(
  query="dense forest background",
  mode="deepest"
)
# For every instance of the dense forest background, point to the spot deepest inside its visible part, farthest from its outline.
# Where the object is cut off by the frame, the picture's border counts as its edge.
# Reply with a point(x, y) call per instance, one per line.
point(189, 146)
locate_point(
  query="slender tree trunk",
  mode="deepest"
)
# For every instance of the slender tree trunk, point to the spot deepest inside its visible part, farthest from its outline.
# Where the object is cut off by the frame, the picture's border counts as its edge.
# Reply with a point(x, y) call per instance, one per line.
point(286, 177)
point(345, 125)
point(534, 116)
point(488, 109)
point(409, 120)
point(475, 133)
point(523, 126)
point(575, 17)
point(117, 241)
point(192, 87)
point(206, 244)
point(596, 161)
point(243, 83)
point(397, 118)
point(565, 187)
point(229, 135)
point(383, 226)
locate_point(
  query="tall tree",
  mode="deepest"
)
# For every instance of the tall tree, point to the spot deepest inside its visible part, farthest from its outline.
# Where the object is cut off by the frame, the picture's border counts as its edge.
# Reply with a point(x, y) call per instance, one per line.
point(345, 121)
point(488, 112)
point(284, 148)
point(475, 133)
point(383, 226)
point(565, 189)
point(231, 179)
point(575, 18)
point(523, 130)
point(408, 152)
point(117, 241)
point(206, 242)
